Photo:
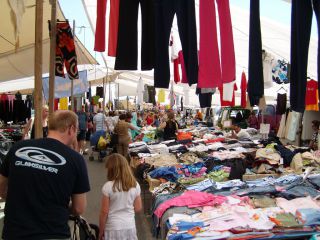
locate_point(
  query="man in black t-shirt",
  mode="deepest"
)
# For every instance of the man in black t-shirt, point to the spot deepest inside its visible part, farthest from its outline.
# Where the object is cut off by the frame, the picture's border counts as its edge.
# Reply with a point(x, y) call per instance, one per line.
point(43, 181)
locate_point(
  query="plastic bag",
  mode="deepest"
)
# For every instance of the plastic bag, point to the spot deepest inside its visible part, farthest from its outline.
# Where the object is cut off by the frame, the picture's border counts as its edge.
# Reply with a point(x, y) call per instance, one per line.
point(102, 143)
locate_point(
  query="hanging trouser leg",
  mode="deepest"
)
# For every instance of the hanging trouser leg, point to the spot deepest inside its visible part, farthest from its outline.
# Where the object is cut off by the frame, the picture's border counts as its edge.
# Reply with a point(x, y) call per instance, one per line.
point(66, 52)
point(186, 18)
point(301, 20)
point(100, 34)
point(113, 27)
point(228, 59)
point(147, 43)
point(255, 81)
point(164, 11)
point(209, 75)
point(127, 49)
point(316, 8)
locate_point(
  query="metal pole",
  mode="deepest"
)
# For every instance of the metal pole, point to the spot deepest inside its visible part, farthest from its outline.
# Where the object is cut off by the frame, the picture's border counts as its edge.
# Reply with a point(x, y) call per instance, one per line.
point(72, 100)
point(38, 69)
point(104, 96)
point(53, 37)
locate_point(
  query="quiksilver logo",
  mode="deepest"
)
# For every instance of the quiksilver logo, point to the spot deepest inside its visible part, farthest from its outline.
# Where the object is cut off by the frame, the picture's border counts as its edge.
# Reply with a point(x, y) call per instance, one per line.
point(40, 155)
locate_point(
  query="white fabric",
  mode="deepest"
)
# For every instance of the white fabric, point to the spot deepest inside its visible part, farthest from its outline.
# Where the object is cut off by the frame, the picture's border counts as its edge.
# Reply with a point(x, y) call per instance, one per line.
point(293, 125)
point(140, 91)
point(121, 210)
point(18, 8)
point(172, 95)
point(268, 60)
point(99, 119)
point(243, 134)
point(282, 127)
point(126, 234)
point(228, 91)
point(186, 94)
point(112, 121)
point(175, 48)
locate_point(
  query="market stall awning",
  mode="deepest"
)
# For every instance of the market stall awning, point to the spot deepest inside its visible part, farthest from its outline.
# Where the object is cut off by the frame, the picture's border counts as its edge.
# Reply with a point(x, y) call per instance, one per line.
point(17, 57)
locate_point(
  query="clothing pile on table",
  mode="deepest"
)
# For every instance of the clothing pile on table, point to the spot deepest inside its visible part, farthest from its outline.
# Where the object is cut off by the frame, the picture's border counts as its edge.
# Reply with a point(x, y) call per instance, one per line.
point(268, 207)
point(200, 193)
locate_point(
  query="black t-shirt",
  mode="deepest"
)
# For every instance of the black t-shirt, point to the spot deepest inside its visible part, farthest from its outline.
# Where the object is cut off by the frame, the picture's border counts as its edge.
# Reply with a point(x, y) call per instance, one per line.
point(42, 176)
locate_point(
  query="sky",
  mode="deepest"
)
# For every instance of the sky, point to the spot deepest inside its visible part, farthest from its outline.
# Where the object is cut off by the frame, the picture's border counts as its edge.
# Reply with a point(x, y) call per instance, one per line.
point(276, 10)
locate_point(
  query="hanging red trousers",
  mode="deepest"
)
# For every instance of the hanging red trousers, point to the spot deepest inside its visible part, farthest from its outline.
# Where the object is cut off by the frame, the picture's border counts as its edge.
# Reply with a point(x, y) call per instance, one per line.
point(113, 27)
point(100, 34)
point(213, 70)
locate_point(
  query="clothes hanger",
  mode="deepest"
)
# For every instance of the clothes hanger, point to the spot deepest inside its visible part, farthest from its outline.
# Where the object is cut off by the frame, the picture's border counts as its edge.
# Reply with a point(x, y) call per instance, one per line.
point(281, 89)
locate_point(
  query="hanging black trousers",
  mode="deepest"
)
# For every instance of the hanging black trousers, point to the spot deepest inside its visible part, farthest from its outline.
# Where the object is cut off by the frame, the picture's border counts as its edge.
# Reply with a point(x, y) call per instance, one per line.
point(301, 21)
point(127, 47)
point(255, 81)
point(164, 11)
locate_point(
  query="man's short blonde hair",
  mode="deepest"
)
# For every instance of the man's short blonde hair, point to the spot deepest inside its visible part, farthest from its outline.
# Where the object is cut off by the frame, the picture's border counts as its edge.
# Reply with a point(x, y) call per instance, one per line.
point(61, 120)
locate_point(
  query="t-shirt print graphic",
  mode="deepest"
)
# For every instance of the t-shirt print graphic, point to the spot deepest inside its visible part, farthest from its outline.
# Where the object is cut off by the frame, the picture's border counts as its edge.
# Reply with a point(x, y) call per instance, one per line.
point(39, 158)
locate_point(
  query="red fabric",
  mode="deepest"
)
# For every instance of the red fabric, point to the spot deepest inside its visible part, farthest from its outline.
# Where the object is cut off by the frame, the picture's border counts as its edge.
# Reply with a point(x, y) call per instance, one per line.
point(100, 35)
point(56, 104)
point(243, 90)
point(214, 140)
point(176, 70)
point(184, 78)
point(149, 120)
point(209, 75)
point(311, 92)
point(227, 103)
point(113, 28)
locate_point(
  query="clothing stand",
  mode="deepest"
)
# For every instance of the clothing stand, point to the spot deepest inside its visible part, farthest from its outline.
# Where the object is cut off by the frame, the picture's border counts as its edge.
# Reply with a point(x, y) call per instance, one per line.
point(38, 69)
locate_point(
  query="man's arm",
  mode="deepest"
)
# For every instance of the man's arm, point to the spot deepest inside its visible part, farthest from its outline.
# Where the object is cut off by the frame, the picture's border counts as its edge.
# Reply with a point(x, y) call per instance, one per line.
point(3, 186)
point(78, 203)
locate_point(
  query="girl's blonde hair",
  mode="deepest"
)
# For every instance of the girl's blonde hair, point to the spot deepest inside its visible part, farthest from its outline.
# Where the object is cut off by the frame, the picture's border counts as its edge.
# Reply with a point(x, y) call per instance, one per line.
point(119, 171)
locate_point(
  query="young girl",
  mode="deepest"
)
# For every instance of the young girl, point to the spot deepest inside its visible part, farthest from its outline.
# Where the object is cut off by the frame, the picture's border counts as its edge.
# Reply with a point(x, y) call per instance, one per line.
point(120, 200)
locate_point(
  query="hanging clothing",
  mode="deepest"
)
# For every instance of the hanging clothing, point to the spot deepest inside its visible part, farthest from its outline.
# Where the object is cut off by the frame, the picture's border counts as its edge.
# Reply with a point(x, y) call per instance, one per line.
point(311, 92)
point(268, 61)
point(56, 104)
point(66, 52)
point(161, 96)
point(100, 35)
point(164, 14)
point(63, 102)
point(281, 103)
point(18, 8)
point(152, 95)
point(175, 58)
point(127, 49)
point(228, 103)
point(211, 73)
point(113, 27)
point(281, 72)
point(184, 78)
point(301, 21)
point(313, 107)
point(255, 82)
point(243, 88)
point(140, 91)
point(145, 93)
